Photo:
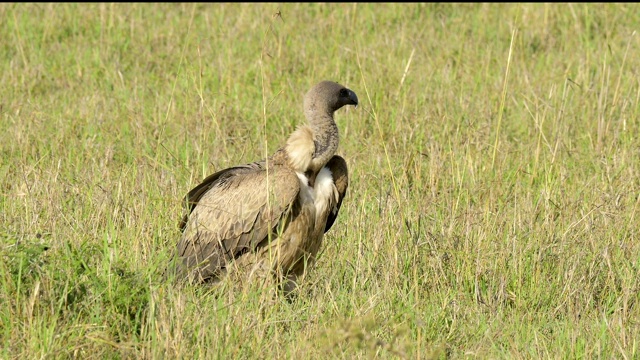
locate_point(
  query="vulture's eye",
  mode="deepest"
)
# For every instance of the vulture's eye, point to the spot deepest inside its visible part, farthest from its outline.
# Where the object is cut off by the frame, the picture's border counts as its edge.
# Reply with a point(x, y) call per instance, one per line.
point(344, 93)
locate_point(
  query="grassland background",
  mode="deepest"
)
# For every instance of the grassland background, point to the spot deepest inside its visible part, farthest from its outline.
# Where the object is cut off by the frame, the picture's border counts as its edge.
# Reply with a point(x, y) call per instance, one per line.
point(485, 218)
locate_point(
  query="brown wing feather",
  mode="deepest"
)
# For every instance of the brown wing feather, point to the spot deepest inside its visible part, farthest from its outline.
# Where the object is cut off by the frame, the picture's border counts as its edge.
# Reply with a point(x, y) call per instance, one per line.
point(193, 197)
point(233, 214)
point(338, 168)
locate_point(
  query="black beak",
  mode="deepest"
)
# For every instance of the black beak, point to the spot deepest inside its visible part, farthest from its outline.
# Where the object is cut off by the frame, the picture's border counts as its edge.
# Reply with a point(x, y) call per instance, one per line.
point(353, 98)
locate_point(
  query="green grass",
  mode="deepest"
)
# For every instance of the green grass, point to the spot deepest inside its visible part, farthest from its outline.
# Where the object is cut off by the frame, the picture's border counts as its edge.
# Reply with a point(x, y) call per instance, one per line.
point(492, 207)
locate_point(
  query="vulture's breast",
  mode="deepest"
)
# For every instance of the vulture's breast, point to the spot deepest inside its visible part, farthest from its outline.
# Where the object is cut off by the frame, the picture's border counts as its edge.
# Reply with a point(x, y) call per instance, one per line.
point(302, 238)
point(325, 196)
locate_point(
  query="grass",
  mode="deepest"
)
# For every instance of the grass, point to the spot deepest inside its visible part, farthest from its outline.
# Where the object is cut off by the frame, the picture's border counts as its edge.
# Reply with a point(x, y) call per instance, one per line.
point(494, 162)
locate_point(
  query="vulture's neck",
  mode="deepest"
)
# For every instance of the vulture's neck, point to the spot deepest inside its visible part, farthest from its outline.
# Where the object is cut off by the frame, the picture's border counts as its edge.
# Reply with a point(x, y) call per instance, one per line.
point(325, 137)
point(310, 147)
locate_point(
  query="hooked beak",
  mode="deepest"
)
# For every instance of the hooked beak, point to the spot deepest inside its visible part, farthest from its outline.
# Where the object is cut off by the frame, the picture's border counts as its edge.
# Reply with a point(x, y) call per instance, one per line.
point(354, 99)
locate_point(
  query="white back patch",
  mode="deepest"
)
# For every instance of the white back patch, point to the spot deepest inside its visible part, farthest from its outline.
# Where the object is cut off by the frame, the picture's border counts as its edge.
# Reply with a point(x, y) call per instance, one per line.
point(325, 191)
point(306, 192)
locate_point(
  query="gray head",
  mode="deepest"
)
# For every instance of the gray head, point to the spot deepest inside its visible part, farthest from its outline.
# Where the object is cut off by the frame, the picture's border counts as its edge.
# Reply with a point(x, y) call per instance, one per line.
point(327, 97)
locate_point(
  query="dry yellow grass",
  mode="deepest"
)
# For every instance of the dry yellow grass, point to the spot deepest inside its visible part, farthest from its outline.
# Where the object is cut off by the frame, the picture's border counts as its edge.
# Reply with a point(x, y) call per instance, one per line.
point(490, 214)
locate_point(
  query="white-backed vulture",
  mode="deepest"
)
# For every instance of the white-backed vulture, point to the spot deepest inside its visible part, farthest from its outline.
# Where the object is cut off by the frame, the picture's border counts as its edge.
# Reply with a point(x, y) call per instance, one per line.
point(270, 215)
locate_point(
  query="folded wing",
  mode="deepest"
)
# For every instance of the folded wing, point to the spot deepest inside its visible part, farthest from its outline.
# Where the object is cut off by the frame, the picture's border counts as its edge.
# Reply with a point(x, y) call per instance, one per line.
point(338, 167)
point(237, 209)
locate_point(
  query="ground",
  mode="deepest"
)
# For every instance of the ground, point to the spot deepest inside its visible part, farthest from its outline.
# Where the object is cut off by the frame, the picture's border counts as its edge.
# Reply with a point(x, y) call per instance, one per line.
point(494, 166)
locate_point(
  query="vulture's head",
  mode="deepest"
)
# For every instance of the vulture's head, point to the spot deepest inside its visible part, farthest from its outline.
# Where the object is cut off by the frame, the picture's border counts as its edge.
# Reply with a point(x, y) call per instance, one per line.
point(327, 97)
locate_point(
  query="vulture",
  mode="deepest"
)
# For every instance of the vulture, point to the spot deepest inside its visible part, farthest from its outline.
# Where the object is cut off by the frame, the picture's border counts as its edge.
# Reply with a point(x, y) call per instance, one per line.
point(269, 217)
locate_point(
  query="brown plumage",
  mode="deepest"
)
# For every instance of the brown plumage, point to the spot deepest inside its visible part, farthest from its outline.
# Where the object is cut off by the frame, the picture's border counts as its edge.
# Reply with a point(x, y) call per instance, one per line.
point(270, 216)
